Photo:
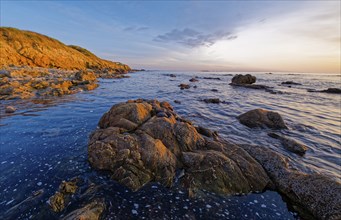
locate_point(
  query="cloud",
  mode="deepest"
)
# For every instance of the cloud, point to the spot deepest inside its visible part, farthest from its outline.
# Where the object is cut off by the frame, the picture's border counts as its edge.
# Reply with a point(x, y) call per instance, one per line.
point(134, 28)
point(193, 38)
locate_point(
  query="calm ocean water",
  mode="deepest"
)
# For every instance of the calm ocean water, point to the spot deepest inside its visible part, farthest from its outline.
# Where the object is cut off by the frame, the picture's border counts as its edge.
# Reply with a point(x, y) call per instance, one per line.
point(46, 142)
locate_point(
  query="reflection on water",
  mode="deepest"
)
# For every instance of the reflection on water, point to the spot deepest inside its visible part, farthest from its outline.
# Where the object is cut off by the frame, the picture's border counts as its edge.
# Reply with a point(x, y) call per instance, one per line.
point(45, 142)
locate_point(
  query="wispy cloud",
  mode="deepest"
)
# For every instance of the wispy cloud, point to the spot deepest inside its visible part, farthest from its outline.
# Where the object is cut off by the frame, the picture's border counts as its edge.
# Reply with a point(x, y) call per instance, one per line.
point(135, 28)
point(193, 38)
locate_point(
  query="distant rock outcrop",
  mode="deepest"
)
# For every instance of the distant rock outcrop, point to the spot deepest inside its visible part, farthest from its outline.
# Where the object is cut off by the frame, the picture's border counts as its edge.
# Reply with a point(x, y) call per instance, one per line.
point(243, 79)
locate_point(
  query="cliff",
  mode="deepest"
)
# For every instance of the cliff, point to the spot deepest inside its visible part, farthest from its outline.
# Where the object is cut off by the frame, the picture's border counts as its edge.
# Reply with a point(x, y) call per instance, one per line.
point(26, 48)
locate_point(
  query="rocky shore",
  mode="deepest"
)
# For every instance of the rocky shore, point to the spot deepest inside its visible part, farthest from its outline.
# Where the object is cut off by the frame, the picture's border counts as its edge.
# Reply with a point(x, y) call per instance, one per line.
point(28, 82)
point(143, 141)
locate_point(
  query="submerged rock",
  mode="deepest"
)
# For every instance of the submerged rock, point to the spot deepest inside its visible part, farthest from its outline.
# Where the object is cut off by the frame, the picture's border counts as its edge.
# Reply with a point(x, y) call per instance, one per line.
point(243, 79)
point(262, 118)
point(332, 90)
point(312, 194)
point(290, 144)
point(58, 200)
point(10, 109)
point(138, 147)
point(213, 100)
point(290, 83)
point(91, 211)
point(193, 80)
point(329, 90)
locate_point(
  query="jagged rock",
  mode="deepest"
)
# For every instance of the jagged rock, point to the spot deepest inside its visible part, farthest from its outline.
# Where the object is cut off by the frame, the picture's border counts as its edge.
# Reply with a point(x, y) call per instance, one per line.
point(10, 109)
point(177, 101)
point(184, 86)
point(172, 75)
point(262, 118)
point(91, 211)
point(155, 147)
point(290, 144)
point(68, 187)
point(56, 202)
point(243, 79)
point(313, 194)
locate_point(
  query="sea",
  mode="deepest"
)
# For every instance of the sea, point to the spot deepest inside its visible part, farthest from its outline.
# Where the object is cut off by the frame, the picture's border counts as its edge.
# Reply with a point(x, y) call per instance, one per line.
point(45, 142)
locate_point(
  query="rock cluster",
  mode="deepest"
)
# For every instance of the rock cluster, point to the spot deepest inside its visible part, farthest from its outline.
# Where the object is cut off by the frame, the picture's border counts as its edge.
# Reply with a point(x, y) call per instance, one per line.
point(145, 140)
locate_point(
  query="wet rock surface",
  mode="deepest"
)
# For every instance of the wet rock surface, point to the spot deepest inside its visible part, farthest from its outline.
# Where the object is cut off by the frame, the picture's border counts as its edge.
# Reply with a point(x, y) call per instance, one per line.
point(138, 147)
point(290, 144)
point(313, 195)
point(262, 118)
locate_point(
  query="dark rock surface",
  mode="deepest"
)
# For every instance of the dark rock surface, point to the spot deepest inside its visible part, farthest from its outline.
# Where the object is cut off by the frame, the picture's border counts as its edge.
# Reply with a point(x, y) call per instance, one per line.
point(193, 80)
point(262, 118)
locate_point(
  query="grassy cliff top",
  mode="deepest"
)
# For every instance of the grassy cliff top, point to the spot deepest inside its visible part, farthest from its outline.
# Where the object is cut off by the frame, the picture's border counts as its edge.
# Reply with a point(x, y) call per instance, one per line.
point(27, 48)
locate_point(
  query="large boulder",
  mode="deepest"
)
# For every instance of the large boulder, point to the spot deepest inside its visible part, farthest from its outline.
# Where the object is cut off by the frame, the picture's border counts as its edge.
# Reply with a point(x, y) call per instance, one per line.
point(262, 118)
point(145, 140)
point(243, 79)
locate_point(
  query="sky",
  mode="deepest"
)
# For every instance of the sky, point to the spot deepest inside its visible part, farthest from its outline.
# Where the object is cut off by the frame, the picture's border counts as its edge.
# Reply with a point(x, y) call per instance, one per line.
point(274, 36)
